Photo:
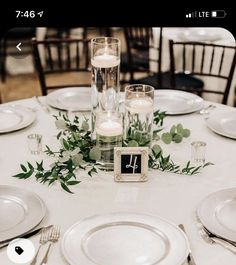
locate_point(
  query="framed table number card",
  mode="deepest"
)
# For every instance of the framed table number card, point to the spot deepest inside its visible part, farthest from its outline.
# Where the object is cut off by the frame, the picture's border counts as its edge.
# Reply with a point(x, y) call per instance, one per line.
point(130, 164)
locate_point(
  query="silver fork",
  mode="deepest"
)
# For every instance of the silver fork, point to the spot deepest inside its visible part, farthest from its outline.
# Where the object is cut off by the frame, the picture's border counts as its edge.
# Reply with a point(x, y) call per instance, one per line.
point(44, 238)
point(207, 109)
point(210, 238)
point(54, 236)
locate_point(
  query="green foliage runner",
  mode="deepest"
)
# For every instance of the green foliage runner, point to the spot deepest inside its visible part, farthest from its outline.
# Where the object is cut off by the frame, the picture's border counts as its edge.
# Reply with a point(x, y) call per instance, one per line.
point(78, 151)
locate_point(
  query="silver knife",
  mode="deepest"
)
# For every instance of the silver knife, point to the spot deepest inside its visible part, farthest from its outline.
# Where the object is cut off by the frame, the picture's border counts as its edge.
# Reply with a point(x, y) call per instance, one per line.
point(26, 235)
point(190, 257)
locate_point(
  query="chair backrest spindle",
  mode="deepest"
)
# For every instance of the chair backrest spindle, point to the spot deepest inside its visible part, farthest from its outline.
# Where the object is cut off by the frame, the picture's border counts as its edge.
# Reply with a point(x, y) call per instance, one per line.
point(212, 59)
point(203, 57)
point(221, 61)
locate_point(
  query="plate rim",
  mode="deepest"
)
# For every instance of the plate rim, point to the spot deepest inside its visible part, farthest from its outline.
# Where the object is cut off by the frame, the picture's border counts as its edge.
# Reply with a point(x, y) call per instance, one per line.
point(212, 128)
point(68, 259)
point(42, 205)
point(50, 100)
point(23, 124)
point(201, 103)
point(199, 215)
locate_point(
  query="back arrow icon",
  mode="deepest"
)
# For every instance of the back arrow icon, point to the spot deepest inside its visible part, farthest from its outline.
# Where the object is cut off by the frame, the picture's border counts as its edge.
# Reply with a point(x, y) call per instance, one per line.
point(18, 46)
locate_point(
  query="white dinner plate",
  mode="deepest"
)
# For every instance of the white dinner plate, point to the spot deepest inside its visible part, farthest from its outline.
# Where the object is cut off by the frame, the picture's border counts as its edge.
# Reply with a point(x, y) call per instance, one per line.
point(20, 211)
point(14, 117)
point(223, 123)
point(71, 98)
point(124, 238)
point(176, 102)
point(217, 212)
point(199, 34)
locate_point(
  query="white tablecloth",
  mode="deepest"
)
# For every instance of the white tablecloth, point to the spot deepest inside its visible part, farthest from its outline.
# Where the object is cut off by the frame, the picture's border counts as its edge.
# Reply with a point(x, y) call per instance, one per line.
point(171, 196)
point(178, 34)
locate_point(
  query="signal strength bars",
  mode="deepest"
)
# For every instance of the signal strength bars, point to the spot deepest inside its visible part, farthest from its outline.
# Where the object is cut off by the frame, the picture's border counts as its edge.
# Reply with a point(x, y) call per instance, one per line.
point(190, 15)
point(206, 14)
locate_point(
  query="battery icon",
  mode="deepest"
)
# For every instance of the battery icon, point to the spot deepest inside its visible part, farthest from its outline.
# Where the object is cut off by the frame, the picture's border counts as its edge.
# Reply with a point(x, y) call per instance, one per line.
point(218, 13)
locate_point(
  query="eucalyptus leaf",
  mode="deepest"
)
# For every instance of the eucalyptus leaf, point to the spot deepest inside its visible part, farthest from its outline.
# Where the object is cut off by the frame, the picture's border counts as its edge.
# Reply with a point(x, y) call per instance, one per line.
point(95, 153)
point(179, 128)
point(77, 159)
point(133, 143)
point(60, 124)
point(186, 133)
point(173, 130)
point(177, 138)
point(166, 138)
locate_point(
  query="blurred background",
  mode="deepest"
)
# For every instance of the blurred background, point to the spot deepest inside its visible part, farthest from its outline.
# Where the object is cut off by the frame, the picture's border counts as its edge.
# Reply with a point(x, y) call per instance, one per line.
point(191, 59)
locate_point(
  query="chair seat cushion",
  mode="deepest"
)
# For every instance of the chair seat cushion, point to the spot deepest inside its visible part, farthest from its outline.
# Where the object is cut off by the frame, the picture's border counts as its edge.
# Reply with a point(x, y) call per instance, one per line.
point(183, 81)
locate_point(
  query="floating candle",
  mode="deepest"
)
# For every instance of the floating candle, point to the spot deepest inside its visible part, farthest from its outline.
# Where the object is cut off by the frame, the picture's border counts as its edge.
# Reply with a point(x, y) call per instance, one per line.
point(140, 105)
point(109, 128)
point(105, 61)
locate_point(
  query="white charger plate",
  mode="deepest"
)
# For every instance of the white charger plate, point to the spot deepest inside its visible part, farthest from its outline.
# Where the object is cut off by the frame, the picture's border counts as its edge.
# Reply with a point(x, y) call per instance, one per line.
point(124, 238)
point(217, 212)
point(223, 123)
point(20, 211)
point(15, 117)
point(176, 102)
point(71, 98)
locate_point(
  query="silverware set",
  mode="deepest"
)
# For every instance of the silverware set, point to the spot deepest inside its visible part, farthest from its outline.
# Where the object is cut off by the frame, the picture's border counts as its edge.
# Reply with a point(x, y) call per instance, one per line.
point(210, 238)
point(213, 239)
point(26, 235)
point(51, 235)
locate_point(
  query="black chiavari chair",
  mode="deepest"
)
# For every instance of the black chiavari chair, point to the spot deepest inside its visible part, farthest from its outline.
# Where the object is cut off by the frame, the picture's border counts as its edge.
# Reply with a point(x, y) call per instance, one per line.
point(60, 56)
point(209, 65)
point(139, 41)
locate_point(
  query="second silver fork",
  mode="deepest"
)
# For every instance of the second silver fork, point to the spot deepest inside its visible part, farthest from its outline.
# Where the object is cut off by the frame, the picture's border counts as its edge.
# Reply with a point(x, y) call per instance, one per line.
point(53, 238)
point(44, 238)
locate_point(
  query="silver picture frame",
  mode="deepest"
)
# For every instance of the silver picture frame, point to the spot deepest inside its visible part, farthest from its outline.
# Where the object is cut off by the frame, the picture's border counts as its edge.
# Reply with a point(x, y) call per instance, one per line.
point(130, 164)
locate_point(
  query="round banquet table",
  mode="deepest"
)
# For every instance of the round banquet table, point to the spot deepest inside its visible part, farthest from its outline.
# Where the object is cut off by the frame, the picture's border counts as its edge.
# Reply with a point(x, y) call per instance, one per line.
point(171, 196)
